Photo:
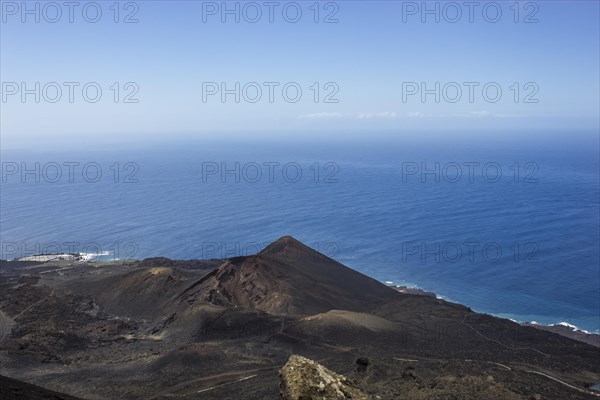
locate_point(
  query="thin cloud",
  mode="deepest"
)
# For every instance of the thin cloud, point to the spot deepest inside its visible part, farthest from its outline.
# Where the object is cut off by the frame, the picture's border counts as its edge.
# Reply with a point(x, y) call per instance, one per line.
point(360, 115)
point(384, 115)
point(321, 115)
point(487, 114)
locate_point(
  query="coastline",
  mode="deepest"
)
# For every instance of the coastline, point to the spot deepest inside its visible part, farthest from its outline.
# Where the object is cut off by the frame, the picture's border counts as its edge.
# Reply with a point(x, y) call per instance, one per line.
point(560, 328)
point(568, 330)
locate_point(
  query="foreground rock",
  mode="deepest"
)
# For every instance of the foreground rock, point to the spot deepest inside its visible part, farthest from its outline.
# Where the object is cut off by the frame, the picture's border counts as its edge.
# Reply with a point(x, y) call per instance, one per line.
point(304, 379)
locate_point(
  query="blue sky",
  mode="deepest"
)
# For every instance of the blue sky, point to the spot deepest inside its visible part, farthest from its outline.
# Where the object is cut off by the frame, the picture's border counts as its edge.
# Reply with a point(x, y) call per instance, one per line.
point(370, 58)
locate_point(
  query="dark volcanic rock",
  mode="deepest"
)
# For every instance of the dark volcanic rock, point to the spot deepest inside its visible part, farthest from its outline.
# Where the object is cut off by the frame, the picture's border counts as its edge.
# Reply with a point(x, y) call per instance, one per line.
point(362, 364)
point(12, 389)
point(164, 329)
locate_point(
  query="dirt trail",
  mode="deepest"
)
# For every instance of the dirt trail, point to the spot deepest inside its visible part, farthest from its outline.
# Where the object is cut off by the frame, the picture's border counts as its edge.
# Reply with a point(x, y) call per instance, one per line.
point(498, 342)
point(182, 385)
point(6, 325)
point(34, 304)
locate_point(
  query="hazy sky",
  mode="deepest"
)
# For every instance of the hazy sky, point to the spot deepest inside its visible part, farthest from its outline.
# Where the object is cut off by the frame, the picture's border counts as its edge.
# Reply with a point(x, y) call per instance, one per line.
point(365, 71)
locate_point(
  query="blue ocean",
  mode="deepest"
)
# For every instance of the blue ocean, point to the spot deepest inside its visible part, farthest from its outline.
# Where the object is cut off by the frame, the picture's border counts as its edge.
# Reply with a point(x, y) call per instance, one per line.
point(506, 223)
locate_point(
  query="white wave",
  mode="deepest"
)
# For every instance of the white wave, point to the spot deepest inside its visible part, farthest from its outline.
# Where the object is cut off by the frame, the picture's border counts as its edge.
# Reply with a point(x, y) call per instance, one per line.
point(48, 257)
point(445, 298)
point(571, 326)
point(92, 256)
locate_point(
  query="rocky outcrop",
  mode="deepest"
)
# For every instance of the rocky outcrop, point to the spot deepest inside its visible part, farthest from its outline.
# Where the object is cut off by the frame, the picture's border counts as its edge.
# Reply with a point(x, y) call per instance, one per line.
point(304, 379)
